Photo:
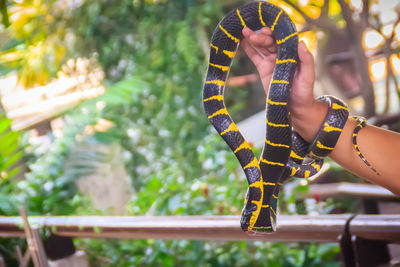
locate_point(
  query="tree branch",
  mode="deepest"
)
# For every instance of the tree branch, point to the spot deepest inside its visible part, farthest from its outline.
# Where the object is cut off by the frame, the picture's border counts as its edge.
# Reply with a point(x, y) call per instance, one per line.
point(325, 9)
point(365, 13)
point(387, 84)
point(376, 25)
point(347, 14)
point(394, 28)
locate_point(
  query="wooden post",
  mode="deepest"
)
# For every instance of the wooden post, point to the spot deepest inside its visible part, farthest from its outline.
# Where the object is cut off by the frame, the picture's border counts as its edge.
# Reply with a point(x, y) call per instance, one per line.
point(23, 260)
point(35, 246)
point(41, 254)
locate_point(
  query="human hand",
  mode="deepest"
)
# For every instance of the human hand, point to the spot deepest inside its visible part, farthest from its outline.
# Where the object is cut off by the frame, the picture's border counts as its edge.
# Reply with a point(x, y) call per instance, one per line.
point(307, 113)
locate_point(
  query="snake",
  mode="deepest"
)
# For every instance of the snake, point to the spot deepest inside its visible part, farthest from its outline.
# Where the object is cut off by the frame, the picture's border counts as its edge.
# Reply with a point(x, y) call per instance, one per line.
point(284, 152)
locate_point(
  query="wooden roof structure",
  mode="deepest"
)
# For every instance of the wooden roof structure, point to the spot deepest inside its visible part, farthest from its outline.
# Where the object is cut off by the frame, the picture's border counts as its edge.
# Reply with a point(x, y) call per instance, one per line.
point(27, 107)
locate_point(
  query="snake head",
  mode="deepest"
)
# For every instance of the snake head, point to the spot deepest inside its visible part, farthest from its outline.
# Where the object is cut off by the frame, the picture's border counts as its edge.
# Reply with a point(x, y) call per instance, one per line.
point(247, 213)
point(245, 220)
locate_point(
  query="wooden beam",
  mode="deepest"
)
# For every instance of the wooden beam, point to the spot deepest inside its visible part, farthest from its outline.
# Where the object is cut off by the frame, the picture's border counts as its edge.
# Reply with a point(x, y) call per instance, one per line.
point(295, 228)
point(324, 228)
point(350, 189)
point(376, 227)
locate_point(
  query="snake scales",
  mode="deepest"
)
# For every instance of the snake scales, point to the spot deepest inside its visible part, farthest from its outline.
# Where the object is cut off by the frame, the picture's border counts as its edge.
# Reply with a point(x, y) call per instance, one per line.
point(284, 150)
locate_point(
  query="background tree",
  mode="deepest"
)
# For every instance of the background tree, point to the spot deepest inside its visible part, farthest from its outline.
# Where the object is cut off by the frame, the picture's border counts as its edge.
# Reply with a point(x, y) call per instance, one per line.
point(345, 24)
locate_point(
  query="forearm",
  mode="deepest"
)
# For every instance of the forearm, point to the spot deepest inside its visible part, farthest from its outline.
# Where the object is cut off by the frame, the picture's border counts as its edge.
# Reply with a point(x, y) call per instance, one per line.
point(380, 147)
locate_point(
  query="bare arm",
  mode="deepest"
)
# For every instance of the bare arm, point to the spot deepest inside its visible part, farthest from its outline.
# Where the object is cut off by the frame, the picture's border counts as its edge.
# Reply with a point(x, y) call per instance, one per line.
point(380, 147)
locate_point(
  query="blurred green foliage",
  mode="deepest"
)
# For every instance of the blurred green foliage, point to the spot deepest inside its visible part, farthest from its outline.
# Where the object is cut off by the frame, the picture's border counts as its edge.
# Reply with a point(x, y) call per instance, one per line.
point(12, 154)
point(12, 158)
point(177, 165)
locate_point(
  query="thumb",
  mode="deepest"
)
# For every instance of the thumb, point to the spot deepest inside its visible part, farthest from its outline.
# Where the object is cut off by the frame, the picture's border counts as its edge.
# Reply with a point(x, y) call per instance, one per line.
point(306, 72)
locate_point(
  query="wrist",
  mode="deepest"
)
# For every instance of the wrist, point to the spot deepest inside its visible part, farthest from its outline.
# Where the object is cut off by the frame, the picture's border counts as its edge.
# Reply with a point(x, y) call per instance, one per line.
point(307, 119)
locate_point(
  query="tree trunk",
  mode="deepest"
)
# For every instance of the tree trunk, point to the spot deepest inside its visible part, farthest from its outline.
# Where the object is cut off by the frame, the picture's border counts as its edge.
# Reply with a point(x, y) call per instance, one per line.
point(361, 65)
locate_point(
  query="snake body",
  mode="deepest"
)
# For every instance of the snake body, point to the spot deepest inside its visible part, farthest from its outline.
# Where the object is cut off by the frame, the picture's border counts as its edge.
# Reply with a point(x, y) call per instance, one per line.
point(263, 176)
point(284, 150)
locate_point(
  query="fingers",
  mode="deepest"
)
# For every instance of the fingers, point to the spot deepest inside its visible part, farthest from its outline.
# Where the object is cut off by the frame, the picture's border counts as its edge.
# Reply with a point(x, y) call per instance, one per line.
point(265, 65)
point(251, 52)
point(261, 49)
point(263, 41)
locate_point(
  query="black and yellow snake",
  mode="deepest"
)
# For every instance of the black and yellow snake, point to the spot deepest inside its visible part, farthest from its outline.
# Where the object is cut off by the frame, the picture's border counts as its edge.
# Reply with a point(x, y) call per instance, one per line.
point(284, 150)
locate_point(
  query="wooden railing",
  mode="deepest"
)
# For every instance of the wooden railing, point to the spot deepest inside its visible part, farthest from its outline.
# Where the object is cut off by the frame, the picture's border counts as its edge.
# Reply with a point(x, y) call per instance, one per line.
point(356, 234)
point(298, 228)
point(291, 229)
point(350, 189)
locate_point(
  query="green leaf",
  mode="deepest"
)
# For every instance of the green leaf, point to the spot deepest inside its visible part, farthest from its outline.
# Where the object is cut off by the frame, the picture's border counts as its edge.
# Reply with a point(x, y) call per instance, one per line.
point(4, 13)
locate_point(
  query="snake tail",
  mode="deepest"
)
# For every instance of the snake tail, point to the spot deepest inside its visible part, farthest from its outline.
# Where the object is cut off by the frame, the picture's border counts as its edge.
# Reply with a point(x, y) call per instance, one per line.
point(362, 122)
